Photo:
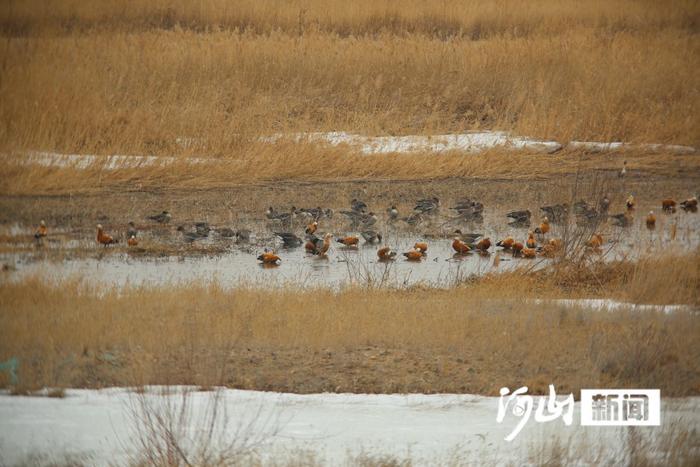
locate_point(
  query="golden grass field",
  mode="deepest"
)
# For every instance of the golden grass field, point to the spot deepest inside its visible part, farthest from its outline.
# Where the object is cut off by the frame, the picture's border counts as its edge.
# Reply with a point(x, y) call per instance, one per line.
point(475, 337)
point(131, 77)
point(134, 78)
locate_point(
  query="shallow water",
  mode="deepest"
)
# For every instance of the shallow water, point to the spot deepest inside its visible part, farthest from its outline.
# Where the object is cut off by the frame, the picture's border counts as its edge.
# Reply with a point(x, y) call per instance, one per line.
point(236, 265)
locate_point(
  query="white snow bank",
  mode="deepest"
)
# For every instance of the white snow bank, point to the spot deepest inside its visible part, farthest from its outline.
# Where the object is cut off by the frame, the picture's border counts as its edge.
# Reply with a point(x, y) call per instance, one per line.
point(467, 142)
point(471, 142)
point(613, 305)
point(429, 429)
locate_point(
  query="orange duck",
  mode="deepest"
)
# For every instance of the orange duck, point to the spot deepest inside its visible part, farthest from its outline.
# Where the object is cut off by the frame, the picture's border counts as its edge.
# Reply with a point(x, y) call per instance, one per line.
point(529, 252)
point(483, 245)
point(517, 248)
point(506, 243)
point(103, 238)
point(543, 228)
point(311, 228)
point(422, 246)
point(551, 248)
point(531, 242)
point(596, 241)
point(269, 257)
point(349, 240)
point(668, 205)
point(41, 231)
point(414, 255)
point(386, 254)
point(460, 247)
point(132, 241)
point(651, 220)
point(323, 248)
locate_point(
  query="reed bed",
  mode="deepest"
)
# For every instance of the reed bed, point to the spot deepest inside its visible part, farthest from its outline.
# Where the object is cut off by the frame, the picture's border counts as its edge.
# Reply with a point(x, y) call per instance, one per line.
point(113, 79)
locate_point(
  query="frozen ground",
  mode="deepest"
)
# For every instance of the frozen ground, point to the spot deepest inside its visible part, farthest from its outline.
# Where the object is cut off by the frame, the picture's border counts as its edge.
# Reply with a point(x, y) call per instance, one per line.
point(429, 429)
point(470, 143)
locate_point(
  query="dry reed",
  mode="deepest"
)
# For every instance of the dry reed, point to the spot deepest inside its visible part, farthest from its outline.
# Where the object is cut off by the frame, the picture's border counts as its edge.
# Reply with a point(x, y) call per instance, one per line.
point(71, 334)
point(618, 71)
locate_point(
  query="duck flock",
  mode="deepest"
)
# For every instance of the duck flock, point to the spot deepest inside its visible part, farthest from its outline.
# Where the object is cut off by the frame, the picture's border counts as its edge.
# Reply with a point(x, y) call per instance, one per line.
point(361, 219)
point(537, 242)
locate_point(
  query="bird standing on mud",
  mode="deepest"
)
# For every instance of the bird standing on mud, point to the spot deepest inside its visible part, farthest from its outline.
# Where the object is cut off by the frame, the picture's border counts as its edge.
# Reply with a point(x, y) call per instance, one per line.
point(393, 213)
point(131, 230)
point(531, 242)
point(519, 218)
point(132, 241)
point(623, 172)
point(668, 205)
point(543, 228)
point(630, 202)
point(41, 232)
point(358, 206)
point(104, 238)
point(162, 218)
point(690, 204)
point(427, 205)
point(651, 220)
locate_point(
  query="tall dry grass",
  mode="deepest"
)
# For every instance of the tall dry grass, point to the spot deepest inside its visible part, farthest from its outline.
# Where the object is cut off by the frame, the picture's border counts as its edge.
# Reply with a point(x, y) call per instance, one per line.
point(70, 334)
point(120, 78)
point(448, 18)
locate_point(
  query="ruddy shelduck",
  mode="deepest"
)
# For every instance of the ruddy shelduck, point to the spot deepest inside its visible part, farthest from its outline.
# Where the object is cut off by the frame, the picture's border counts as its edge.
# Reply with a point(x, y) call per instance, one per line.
point(596, 241)
point(551, 248)
point(414, 255)
point(531, 242)
point(269, 257)
point(325, 246)
point(41, 231)
point(386, 254)
point(103, 238)
point(132, 241)
point(517, 248)
point(529, 252)
point(543, 228)
point(311, 228)
point(484, 244)
point(651, 220)
point(421, 246)
point(506, 243)
point(350, 240)
point(460, 247)
point(668, 205)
